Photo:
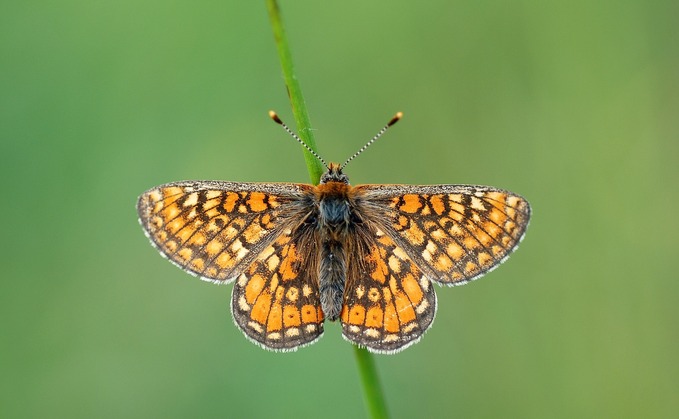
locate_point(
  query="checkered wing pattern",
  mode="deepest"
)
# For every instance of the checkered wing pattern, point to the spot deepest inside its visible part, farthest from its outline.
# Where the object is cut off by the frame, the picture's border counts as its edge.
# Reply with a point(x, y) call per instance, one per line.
point(388, 303)
point(214, 230)
point(276, 301)
point(453, 233)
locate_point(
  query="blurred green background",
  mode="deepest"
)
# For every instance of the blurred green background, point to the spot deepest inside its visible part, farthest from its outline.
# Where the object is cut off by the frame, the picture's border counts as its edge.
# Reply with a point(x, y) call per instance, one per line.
point(575, 105)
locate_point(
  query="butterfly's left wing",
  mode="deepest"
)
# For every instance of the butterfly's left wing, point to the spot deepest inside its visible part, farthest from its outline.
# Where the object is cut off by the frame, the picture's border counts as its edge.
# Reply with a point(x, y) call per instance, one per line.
point(251, 231)
point(215, 229)
point(276, 301)
point(453, 233)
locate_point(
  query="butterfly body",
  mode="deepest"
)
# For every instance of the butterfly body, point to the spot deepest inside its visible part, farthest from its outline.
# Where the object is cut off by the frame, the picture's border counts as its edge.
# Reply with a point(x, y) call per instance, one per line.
point(335, 225)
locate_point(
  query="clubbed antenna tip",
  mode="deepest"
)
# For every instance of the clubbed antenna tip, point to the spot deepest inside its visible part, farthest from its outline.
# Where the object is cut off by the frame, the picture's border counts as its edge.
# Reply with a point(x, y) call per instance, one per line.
point(273, 115)
point(391, 122)
point(394, 120)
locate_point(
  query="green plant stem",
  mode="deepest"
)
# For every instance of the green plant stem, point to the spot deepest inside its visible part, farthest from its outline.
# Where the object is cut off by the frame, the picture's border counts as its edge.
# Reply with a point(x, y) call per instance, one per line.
point(299, 110)
point(372, 391)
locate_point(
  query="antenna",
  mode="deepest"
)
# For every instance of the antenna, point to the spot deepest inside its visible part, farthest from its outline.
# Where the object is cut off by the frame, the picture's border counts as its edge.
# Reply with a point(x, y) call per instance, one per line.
point(384, 129)
point(276, 119)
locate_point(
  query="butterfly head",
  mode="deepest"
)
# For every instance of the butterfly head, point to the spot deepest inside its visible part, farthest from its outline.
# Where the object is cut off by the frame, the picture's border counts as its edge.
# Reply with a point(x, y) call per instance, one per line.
point(334, 174)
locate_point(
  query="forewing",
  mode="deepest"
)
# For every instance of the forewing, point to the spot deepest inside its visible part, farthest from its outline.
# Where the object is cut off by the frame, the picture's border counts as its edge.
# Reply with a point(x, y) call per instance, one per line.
point(388, 303)
point(214, 230)
point(454, 233)
point(276, 302)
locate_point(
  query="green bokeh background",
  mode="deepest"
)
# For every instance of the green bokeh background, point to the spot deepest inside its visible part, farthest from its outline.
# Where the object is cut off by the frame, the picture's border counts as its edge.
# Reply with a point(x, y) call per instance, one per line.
point(575, 105)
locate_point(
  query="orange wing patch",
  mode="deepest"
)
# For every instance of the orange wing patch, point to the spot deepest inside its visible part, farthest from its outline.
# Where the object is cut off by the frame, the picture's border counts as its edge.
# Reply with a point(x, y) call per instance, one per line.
point(276, 301)
point(210, 232)
point(392, 306)
point(457, 233)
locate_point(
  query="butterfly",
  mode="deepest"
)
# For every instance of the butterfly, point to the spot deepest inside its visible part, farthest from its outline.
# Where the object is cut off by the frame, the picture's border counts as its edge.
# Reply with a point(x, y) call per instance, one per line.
point(364, 255)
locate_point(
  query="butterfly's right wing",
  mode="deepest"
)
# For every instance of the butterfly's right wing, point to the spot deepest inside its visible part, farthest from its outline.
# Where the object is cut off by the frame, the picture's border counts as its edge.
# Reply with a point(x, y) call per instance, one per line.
point(453, 233)
point(388, 302)
point(215, 230)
